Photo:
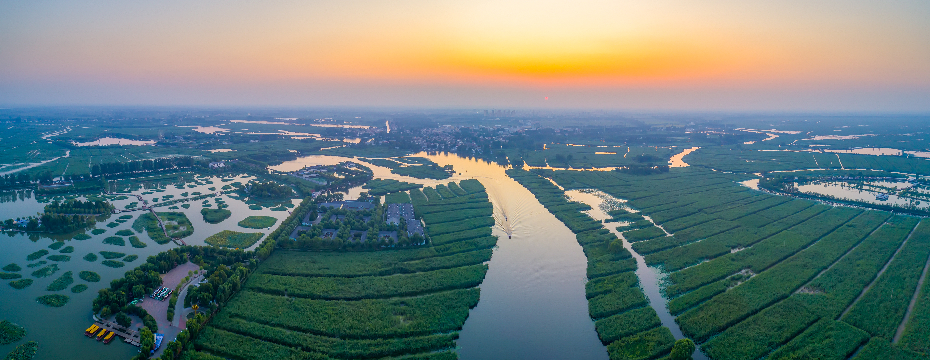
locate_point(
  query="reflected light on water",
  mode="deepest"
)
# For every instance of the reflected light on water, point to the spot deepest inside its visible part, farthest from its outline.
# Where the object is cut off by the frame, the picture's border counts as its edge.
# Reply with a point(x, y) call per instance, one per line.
point(677, 161)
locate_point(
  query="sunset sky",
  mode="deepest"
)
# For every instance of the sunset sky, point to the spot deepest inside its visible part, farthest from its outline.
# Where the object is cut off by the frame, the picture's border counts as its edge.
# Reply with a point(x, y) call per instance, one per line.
point(638, 55)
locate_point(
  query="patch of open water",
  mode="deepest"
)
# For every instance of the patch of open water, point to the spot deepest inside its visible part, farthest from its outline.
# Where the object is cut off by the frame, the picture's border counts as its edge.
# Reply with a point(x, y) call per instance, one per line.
point(59, 331)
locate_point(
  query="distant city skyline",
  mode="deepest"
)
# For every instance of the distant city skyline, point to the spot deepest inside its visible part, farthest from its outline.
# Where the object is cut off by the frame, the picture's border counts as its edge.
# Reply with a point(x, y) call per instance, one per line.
point(719, 55)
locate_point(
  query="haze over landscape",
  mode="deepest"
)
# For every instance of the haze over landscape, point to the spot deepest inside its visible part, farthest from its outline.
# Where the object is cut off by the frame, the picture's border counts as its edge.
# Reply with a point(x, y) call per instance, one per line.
point(833, 55)
point(481, 180)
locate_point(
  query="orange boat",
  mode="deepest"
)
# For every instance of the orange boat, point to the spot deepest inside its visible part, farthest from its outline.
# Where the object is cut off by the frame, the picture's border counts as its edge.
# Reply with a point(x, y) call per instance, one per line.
point(101, 334)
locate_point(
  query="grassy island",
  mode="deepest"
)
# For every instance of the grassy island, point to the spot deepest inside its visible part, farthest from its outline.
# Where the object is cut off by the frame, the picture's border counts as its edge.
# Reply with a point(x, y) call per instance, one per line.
point(23, 352)
point(233, 239)
point(215, 216)
point(258, 222)
point(176, 224)
point(10, 332)
point(53, 300)
point(89, 276)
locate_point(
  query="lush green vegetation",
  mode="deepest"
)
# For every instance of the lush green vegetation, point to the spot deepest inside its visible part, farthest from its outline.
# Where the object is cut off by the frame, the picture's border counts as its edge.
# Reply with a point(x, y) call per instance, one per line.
point(764, 276)
point(111, 255)
point(115, 240)
point(380, 187)
point(81, 236)
point(368, 287)
point(780, 280)
point(113, 263)
point(359, 304)
point(233, 239)
point(45, 271)
point(136, 243)
point(10, 332)
point(879, 348)
point(880, 310)
point(177, 225)
point(125, 232)
point(59, 258)
point(427, 314)
point(915, 336)
point(130, 258)
point(828, 340)
point(23, 352)
point(79, 288)
point(397, 198)
point(258, 222)
point(64, 217)
point(7, 276)
point(37, 254)
point(751, 275)
point(53, 300)
point(215, 216)
point(90, 257)
point(21, 283)
point(12, 267)
point(89, 276)
point(62, 282)
point(268, 191)
point(645, 345)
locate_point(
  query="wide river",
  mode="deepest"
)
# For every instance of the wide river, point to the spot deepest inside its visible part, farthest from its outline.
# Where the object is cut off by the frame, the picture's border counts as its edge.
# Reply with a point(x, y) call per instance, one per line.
point(533, 303)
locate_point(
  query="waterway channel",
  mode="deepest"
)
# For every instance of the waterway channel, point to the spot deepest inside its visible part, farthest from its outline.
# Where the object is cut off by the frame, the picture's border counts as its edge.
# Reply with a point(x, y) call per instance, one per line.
point(650, 278)
point(533, 303)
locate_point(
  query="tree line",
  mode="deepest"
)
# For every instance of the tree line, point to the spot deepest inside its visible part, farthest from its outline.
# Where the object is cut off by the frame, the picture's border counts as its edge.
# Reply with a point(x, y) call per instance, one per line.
point(138, 166)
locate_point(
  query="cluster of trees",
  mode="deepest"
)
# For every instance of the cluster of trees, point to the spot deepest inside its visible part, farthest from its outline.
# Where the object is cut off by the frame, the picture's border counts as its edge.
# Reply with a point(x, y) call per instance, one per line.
point(72, 206)
point(779, 183)
point(184, 339)
point(227, 269)
point(14, 180)
point(140, 166)
point(24, 179)
point(60, 223)
point(63, 217)
point(223, 283)
point(268, 190)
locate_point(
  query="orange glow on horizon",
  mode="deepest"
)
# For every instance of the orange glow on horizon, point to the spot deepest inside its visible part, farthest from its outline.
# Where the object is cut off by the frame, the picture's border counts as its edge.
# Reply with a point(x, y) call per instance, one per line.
point(528, 47)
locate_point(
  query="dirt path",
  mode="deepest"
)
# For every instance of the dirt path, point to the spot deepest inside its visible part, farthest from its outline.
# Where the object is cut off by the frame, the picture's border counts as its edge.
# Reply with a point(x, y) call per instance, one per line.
point(910, 308)
point(880, 272)
point(841, 257)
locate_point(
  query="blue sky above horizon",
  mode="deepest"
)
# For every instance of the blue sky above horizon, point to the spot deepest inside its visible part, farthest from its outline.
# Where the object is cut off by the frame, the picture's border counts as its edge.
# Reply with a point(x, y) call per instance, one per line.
point(717, 55)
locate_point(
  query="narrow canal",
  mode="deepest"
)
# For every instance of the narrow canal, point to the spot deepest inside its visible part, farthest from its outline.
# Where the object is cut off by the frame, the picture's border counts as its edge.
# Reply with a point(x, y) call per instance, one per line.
point(650, 278)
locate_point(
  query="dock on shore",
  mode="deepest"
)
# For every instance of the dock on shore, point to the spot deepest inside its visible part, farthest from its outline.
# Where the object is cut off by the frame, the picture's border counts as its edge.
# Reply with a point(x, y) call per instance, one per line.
point(129, 336)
